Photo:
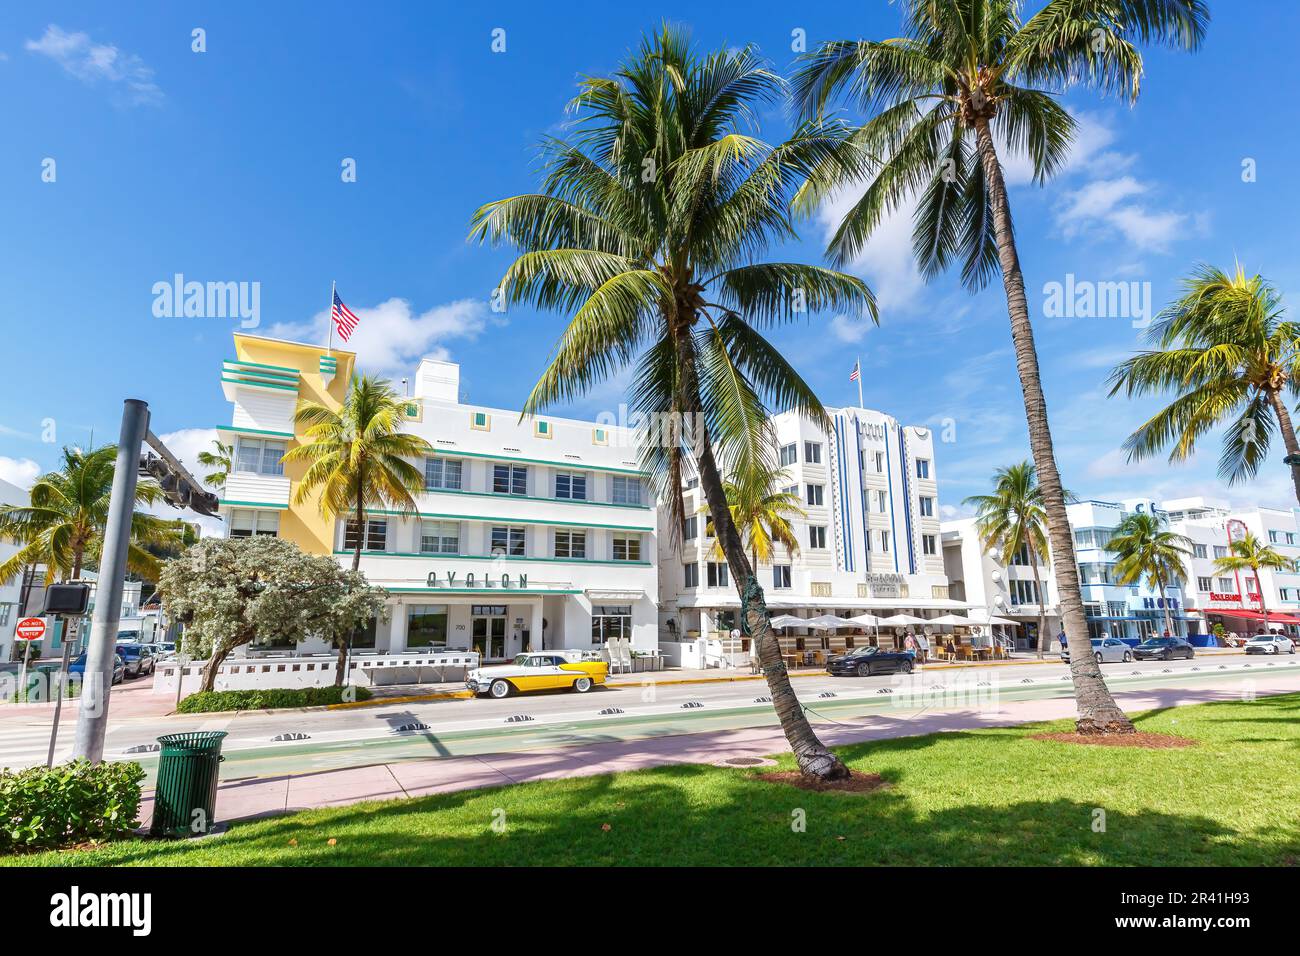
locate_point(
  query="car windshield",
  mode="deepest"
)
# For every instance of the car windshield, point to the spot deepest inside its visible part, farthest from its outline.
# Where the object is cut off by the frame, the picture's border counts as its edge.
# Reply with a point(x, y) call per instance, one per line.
point(864, 651)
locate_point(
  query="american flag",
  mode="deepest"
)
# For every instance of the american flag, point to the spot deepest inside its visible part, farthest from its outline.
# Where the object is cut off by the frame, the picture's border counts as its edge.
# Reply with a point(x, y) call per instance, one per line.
point(853, 377)
point(344, 318)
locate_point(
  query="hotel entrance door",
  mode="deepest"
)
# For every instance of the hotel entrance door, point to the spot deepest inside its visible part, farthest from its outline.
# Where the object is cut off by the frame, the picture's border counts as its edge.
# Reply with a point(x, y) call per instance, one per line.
point(488, 626)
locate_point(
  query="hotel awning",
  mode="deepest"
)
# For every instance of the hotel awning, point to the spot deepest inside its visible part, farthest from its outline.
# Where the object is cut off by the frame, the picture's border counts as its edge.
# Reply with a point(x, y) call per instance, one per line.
point(781, 602)
point(1274, 617)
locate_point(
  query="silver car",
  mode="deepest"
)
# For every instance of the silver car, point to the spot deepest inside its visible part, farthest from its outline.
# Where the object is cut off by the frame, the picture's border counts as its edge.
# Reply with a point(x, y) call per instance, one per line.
point(1270, 644)
point(1108, 650)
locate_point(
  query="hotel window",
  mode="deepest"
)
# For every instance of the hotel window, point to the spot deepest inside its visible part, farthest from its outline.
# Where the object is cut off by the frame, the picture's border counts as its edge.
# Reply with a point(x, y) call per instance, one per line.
point(1200, 551)
point(442, 474)
point(626, 491)
point(508, 541)
point(1252, 587)
point(571, 544)
point(717, 574)
point(570, 485)
point(880, 462)
point(691, 573)
point(881, 498)
point(1204, 584)
point(610, 621)
point(1220, 551)
point(789, 454)
point(376, 535)
point(542, 429)
point(884, 541)
point(690, 528)
point(426, 625)
point(923, 468)
point(480, 421)
point(599, 436)
point(927, 544)
point(439, 537)
point(780, 576)
point(1272, 536)
point(247, 524)
point(1024, 592)
point(812, 452)
point(627, 547)
point(1021, 557)
point(816, 494)
point(927, 507)
point(260, 457)
point(816, 536)
point(793, 490)
point(1284, 593)
point(1290, 537)
point(1225, 585)
point(509, 479)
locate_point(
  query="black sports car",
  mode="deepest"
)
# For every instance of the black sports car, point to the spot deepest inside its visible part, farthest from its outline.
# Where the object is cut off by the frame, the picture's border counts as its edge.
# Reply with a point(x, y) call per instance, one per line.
point(1163, 649)
point(865, 661)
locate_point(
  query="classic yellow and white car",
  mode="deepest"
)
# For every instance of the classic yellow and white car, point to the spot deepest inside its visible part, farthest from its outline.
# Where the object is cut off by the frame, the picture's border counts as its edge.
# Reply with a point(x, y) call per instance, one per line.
point(538, 670)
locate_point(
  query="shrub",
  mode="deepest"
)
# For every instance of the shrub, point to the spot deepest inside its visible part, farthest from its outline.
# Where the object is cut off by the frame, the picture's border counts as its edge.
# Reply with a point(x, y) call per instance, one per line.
point(209, 701)
point(50, 807)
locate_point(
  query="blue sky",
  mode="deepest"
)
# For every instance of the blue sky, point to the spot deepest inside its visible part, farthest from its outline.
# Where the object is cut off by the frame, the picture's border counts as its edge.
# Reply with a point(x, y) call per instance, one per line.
point(225, 166)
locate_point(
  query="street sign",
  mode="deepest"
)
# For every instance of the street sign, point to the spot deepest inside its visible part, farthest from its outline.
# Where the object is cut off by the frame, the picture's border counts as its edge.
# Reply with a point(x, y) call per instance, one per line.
point(30, 629)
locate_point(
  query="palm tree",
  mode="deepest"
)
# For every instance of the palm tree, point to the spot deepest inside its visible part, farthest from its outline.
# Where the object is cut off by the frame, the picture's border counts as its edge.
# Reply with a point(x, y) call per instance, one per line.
point(1146, 549)
point(1012, 519)
point(761, 511)
point(221, 459)
point(62, 527)
point(356, 459)
point(651, 228)
point(968, 74)
point(1248, 553)
point(1225, 351)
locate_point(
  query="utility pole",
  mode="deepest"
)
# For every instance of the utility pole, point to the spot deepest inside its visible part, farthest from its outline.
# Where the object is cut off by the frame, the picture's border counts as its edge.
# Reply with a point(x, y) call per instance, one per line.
point(97, 680)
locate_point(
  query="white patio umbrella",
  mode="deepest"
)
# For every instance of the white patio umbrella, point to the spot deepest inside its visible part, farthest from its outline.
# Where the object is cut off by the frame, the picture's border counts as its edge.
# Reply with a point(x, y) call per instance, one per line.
point(952, 620)
point(903, 620)
point(829, 622)
point(789, 620)
point(866, 620)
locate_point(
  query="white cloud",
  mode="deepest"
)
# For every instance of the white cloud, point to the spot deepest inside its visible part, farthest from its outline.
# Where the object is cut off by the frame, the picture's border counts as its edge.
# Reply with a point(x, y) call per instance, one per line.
point(848, 329)
point(19, 471)
point(886, 261)
point(391, 339)
point(92, 63)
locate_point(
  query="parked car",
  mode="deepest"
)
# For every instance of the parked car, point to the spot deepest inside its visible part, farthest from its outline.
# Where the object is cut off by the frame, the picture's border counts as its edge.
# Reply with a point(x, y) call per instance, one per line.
point(865, 661)
point(1107, 650)
point(1270, 644)
point(138, 657)
point(1163, 649)
point(538, 670)
point(78, 668)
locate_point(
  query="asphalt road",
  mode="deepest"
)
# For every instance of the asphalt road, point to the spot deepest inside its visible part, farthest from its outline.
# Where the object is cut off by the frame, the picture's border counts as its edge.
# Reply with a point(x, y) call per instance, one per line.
point(419, 730)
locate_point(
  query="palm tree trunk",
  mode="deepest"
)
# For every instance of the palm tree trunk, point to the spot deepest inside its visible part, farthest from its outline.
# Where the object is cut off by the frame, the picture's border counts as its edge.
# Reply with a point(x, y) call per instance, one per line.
point(1042, 610)
point(340, 668)
point(810, 753)
point(1263, 608)
point(1098, 712)
point(1169, 619)
point(1289, 440)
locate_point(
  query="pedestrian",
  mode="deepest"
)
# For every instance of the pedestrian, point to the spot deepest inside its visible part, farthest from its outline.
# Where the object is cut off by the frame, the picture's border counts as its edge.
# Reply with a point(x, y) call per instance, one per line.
point(1061, 637)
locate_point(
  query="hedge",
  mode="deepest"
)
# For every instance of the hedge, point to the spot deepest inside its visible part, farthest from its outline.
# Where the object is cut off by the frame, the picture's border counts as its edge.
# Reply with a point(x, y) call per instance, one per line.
point(209, 701)
point(43, 808)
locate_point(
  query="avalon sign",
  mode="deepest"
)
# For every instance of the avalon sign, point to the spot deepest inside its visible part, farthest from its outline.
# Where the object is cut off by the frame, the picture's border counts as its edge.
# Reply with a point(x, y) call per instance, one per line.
point(452, 579)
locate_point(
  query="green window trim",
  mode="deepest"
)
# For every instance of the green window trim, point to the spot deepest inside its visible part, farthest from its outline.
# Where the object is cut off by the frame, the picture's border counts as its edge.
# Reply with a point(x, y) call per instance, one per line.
point(236, 430)
point(276, 368)
point(563, 501)
point(434, 556)
point(251, 504)
point(250, 383)
point(570, 465)
point(508, 520)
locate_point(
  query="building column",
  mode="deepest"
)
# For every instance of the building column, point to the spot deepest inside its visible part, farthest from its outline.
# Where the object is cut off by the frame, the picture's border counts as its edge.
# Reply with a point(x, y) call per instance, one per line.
point(535, 625)
point(397, 629)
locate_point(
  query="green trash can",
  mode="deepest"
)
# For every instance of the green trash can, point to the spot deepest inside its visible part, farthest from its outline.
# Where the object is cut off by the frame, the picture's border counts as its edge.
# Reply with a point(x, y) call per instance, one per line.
point(186, 793)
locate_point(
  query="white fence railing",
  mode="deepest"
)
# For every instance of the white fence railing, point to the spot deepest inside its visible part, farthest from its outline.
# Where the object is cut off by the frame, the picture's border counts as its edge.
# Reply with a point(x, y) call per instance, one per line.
point(317, 670)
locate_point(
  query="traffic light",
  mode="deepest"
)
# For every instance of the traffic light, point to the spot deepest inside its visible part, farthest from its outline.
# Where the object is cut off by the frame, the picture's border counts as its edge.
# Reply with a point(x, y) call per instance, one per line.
point(178, 487)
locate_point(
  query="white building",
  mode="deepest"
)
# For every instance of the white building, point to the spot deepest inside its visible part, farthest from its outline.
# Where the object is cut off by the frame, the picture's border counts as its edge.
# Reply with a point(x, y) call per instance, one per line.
point(11, 590)
point(869, 543)
point(531, 533)
point(1203, 598)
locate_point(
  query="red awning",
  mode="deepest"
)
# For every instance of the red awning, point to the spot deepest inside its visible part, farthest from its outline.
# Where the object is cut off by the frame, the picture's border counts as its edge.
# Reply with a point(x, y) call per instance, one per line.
point(1274, 617)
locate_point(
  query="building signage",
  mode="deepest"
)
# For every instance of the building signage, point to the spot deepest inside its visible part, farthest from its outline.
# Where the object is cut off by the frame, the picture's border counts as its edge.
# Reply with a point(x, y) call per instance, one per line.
point(1230, 601)
point(1153, 604)
point(886, 585)
point(454, 579)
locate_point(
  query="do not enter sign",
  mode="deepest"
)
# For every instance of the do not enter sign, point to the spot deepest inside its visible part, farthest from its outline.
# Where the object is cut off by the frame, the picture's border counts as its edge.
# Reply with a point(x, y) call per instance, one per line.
point(30, 629)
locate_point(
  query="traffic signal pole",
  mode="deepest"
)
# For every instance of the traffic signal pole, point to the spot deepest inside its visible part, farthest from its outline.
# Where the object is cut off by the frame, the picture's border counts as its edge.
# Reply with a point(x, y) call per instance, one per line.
point(97, 683)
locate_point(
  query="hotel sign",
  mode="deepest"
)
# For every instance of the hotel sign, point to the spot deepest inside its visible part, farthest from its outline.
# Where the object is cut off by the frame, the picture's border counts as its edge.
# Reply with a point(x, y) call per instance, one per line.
point(886, 585)
point(454, 579)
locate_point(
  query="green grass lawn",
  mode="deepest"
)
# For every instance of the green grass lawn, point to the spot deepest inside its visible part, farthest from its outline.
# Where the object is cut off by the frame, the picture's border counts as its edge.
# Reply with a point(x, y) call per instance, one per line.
point(986, 797)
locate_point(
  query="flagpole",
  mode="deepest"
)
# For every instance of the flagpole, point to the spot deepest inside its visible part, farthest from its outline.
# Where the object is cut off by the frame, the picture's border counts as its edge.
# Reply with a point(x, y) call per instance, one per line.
point(329, 345)
point(859, 360)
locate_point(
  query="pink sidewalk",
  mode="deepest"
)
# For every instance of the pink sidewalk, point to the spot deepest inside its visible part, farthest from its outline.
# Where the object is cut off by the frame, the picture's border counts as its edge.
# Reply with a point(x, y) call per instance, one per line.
point(270, 795)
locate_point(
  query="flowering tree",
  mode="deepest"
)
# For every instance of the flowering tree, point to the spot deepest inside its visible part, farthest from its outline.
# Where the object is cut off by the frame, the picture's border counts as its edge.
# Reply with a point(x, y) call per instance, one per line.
point(230, 592)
